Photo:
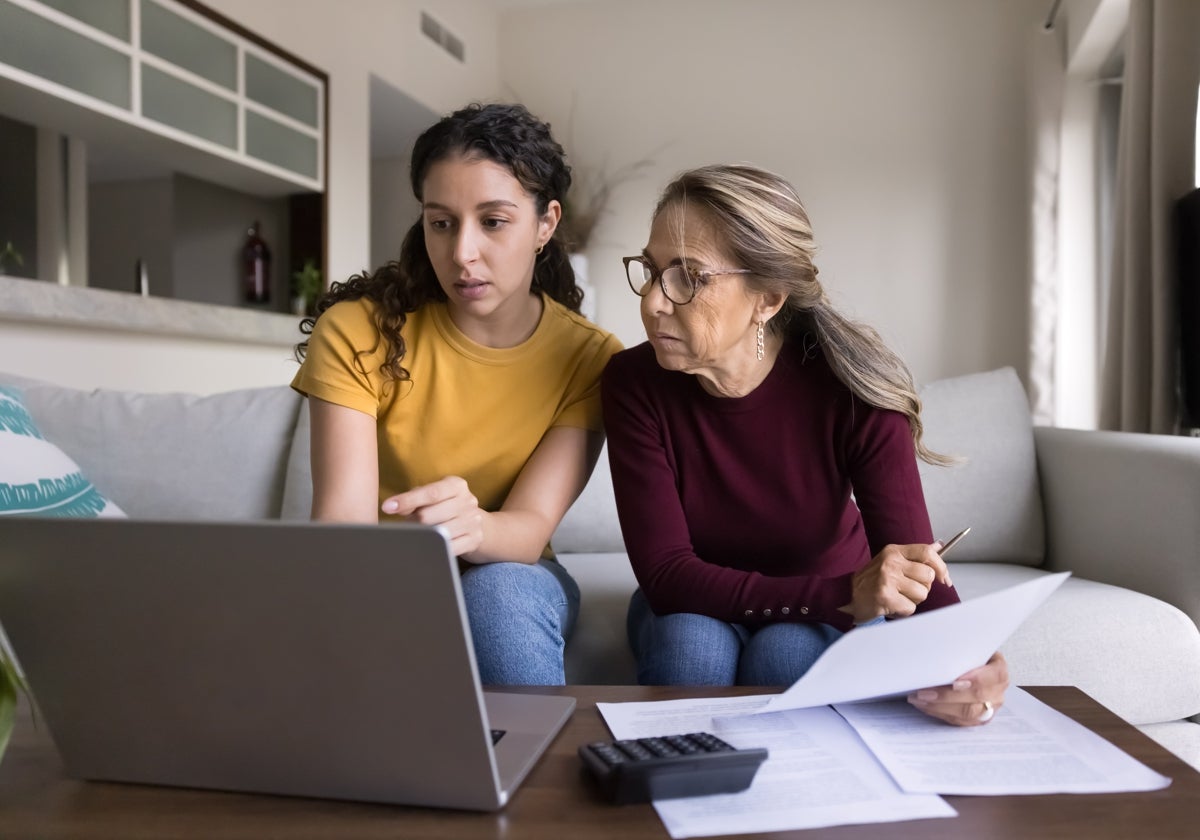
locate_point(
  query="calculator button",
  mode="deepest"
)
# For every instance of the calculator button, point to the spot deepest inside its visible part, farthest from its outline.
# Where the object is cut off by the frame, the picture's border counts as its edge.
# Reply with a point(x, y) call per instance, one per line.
point(682, 743)
point(670, 766)
point(633, 749)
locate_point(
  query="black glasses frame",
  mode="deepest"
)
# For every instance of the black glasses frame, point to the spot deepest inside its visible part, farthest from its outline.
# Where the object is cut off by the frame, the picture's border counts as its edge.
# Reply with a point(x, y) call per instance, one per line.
point(693, 279)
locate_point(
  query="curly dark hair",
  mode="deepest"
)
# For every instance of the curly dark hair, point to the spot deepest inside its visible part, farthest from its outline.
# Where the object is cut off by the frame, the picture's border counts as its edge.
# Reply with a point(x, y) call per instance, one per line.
point(506, 134)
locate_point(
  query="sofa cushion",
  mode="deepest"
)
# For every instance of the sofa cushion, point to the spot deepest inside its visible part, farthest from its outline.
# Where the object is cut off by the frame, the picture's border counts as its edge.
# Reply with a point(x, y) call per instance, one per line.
point(36, 477)
point(984, 419)
point(1114, 643)
point(175, 456)
point(1143, 638)
point(598, 651)
point(297, 487)
point(1181, 737)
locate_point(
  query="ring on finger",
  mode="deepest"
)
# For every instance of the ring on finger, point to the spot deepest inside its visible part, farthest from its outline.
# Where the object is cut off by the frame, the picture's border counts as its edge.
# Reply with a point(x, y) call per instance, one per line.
point(989, 711)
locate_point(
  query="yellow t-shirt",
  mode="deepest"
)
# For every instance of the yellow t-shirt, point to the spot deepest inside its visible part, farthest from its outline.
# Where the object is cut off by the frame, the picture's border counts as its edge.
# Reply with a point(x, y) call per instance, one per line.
point(467, 410)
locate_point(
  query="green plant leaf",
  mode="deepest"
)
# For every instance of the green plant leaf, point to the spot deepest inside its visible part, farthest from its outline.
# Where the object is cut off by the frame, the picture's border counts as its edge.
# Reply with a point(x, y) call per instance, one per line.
point(11, 254)
point(10, 681)
point(306, 282)
point(8, 711)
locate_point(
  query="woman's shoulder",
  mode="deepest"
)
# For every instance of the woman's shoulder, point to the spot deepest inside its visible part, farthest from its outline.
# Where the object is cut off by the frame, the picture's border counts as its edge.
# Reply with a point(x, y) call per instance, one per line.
point(636, 364)
point(806, 375)
point(361, 317)
point(349, 315)
point(810, 371)
point(637, 357)
point(804, 359)
point(580, 329)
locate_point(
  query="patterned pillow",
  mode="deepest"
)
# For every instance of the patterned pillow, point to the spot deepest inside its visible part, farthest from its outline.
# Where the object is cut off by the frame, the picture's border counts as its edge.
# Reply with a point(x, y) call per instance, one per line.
point(36, 477)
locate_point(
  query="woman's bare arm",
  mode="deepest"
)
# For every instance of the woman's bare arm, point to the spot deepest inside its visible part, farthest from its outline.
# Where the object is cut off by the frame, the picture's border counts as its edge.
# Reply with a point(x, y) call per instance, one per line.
point(550, 481)
point(345, 464)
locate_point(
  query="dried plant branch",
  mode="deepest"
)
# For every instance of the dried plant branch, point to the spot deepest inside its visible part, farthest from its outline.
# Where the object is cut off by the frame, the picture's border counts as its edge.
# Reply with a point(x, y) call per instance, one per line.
point(591, 191)
point(587, 202)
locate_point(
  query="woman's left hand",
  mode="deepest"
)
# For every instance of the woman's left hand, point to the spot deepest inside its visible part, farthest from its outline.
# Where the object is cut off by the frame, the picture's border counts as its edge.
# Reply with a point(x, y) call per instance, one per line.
point(970, 700)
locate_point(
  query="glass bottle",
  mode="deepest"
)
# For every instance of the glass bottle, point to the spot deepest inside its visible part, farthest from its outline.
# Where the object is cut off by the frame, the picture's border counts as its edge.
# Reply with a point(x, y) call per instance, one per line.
point(256, 268)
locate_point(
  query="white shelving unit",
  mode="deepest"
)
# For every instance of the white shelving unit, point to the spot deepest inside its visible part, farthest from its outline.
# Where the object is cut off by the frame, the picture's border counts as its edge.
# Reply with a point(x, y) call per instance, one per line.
point(161, 79)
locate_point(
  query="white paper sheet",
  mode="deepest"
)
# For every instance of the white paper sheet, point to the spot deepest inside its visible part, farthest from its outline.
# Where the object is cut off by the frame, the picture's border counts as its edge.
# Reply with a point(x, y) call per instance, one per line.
point(819, 773)
point(920, 651)
point(1028, 748)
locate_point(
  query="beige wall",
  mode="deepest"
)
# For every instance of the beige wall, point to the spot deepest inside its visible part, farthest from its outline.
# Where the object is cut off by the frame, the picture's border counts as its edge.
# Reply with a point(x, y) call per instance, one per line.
point(902, 124)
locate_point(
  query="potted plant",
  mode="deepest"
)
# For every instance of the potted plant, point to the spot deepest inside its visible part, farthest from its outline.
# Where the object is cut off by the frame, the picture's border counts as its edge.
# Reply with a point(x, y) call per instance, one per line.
point(306, 287)
point(9, 255)
point(10, 683)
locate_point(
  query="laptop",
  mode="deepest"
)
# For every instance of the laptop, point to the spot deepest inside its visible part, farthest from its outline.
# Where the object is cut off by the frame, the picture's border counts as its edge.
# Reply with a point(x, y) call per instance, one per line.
point(295, 658)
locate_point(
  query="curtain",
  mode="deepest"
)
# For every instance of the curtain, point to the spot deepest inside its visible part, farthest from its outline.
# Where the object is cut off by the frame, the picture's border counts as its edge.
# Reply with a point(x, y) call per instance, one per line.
point(1046, 63)
point(1155, 167)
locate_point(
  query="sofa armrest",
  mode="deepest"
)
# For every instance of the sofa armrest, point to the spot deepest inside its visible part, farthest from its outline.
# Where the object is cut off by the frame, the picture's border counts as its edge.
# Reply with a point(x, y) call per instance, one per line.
point(1124, 509)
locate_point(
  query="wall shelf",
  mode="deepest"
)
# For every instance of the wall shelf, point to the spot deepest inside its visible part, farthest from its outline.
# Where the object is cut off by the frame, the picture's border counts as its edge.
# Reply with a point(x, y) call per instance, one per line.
point(36, 302)
point(159, 79)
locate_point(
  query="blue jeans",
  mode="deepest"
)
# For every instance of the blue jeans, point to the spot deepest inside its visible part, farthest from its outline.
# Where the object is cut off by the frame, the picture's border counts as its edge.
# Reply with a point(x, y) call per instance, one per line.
point(690, 649)
point(521, 616)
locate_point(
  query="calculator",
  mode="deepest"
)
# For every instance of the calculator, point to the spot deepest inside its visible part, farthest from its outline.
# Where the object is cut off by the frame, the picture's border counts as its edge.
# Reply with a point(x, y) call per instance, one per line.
point(670, 767)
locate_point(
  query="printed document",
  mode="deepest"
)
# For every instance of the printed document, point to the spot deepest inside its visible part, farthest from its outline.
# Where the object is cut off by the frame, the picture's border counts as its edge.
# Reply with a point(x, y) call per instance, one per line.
point(818, 772)
point(1027, 748)
point(885, 761)
point(920, 651)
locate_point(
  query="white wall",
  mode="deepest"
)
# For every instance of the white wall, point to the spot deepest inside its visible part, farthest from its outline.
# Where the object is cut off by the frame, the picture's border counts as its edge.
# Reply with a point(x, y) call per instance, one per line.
point(81, 357)
point(393, 208)
point(901, 123)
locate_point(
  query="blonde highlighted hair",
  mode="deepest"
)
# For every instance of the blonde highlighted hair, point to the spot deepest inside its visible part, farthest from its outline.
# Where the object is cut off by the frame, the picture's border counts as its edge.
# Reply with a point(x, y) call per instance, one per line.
point(767, 231)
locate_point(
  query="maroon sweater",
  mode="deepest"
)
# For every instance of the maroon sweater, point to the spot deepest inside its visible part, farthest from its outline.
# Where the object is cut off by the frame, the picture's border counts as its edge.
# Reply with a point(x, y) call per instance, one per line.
point(741, 508)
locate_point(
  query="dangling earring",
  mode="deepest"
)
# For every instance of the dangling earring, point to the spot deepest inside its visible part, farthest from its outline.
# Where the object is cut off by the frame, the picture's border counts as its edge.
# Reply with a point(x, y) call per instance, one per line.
point(759, 337)
point(539, 249)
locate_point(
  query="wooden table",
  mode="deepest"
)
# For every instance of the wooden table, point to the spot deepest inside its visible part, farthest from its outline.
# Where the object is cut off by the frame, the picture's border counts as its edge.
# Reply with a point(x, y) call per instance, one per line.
point(557, 801)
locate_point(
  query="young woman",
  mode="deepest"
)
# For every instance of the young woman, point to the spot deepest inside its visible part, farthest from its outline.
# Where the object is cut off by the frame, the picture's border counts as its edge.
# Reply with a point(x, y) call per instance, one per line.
point(459, 385)
point(764, 454)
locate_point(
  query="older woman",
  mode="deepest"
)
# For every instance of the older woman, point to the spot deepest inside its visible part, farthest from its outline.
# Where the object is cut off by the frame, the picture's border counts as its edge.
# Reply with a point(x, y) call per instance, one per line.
point(764, 455)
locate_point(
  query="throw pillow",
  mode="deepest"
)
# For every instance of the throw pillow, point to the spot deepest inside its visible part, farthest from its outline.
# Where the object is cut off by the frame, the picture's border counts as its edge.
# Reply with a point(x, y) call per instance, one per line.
point(36, 477)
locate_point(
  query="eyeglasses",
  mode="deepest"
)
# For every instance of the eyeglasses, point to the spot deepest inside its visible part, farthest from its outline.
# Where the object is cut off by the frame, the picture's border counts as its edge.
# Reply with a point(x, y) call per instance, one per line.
point(678, 283)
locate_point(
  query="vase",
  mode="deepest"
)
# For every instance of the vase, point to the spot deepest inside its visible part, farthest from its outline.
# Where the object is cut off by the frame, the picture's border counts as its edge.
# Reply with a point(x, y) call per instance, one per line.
point(579, 262)
point(256, 268)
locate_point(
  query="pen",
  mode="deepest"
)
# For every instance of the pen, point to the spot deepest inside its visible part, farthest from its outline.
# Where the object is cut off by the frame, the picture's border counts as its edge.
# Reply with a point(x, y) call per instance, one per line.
point(953, 540)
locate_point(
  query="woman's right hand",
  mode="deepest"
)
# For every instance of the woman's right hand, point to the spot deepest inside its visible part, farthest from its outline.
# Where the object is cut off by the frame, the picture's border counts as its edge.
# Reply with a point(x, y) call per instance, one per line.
point(896, 581)
point(448, 502)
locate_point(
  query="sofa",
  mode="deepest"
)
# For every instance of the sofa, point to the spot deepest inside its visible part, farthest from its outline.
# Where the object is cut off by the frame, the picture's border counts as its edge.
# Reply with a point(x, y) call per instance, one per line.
point(1121, 512)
